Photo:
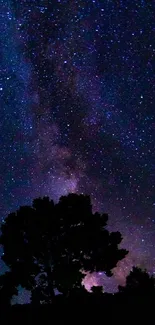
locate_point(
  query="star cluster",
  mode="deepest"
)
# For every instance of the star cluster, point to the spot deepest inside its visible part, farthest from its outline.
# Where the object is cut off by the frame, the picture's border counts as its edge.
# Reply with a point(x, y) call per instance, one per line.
point(77, 100)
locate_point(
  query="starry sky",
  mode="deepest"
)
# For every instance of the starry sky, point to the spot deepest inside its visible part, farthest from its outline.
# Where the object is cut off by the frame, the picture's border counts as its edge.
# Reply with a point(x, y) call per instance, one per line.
point(77, 97)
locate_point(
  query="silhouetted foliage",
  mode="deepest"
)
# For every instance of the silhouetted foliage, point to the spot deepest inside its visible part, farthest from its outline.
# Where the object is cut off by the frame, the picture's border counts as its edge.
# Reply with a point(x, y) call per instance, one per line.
point(138, 282)
point(48, 245)
point(7, 288)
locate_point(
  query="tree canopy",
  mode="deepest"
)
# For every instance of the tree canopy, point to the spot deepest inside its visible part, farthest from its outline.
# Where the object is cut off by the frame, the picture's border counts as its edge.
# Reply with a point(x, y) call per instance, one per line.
point(48, 245)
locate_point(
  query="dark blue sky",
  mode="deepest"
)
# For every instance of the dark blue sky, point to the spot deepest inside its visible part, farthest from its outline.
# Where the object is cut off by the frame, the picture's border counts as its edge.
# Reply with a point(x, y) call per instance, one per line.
point(77, 98)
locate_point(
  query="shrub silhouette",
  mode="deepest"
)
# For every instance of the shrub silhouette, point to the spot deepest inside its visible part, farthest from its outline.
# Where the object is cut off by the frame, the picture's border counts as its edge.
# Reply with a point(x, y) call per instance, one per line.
point(7, 288)
point(48, 246)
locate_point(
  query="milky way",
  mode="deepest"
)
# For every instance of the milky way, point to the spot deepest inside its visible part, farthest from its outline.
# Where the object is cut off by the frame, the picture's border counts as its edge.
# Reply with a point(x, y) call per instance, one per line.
point(77, 102)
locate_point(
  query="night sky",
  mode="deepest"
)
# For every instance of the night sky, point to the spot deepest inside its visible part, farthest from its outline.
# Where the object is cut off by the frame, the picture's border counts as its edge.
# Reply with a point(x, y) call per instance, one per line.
point(77, 97)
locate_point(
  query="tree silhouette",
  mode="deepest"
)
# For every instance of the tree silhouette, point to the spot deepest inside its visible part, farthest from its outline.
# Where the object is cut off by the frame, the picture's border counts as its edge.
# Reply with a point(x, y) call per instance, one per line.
point(138, 282)
point(49, 245)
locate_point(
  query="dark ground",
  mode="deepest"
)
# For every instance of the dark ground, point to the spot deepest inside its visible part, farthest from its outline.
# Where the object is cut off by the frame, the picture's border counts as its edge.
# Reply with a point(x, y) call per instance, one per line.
point(103, 311)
